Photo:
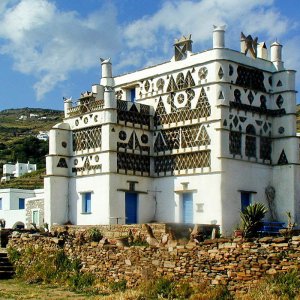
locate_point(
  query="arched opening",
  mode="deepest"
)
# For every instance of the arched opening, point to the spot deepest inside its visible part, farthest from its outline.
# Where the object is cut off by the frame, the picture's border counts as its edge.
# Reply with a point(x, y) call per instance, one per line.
point(19, 225)
point(250, 149)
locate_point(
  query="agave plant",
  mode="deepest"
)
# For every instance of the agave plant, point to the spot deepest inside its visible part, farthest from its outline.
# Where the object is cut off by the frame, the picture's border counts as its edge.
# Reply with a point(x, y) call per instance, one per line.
point(252, 217)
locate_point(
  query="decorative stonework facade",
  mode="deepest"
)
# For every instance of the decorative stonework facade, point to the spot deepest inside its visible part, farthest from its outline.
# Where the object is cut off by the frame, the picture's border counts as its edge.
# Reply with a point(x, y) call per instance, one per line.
point(191, 140)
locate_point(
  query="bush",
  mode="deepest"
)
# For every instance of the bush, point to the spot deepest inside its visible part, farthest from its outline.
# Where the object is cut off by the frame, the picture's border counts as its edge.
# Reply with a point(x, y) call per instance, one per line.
point(94, 235)
point(13, 254)
point(118, 286)
point(80, 281)
point(252, 217)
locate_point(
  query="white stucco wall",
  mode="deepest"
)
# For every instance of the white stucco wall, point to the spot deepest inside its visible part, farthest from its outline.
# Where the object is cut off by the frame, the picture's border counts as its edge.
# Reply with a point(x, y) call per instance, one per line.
point(10, 205)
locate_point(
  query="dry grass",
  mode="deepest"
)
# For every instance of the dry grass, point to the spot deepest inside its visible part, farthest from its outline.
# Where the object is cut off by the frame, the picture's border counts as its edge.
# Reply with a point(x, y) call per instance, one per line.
point(16, 290)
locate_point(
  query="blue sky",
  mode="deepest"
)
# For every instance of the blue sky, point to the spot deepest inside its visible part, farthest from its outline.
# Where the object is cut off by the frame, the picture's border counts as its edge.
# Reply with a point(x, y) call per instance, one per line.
point(50, 49)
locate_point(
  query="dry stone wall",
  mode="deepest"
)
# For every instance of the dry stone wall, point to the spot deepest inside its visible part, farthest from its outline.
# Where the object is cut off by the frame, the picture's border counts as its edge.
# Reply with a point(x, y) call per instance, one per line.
point(234, 262)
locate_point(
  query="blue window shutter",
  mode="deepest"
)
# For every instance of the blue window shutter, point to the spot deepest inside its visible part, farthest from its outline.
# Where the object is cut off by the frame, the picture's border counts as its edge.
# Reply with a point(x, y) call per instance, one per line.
point(21, 203)
point(87, 203)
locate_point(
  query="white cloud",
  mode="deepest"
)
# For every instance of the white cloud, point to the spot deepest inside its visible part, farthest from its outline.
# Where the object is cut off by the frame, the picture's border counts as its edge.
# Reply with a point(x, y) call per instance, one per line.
point(177, 18)
point(49, 43)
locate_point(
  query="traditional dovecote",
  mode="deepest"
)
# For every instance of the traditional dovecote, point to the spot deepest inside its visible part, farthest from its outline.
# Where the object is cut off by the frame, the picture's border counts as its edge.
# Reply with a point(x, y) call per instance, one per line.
point(222, 121)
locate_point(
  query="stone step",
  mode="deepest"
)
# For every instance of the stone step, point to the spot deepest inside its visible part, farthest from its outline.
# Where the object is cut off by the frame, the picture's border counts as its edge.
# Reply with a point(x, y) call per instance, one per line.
point(6, 274)
point(4, 260)
point(6, 268)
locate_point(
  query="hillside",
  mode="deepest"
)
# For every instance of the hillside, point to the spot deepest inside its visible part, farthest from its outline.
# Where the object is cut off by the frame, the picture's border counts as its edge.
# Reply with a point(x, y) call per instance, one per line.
point(22, 122)
point(34, 180)
point(18, 142)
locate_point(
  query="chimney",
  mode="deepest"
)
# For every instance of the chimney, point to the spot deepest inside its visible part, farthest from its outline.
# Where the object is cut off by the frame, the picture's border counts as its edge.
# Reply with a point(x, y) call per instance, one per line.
point(219, 36)
point(67, 106)
point(106, 79)
point(276, 55)
point(262, 51)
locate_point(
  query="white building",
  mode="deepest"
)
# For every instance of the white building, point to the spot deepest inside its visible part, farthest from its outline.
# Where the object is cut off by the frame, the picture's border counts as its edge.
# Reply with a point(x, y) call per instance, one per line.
point(16, 208)
point(193, 140)
point(17, 170)
point(43, 136)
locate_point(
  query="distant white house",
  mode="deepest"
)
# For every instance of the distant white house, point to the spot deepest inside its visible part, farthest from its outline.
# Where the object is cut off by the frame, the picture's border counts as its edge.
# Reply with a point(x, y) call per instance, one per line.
point(23, 117)
point(43, 135)
point(19, 208)
point(17, 170)
point(33, 116)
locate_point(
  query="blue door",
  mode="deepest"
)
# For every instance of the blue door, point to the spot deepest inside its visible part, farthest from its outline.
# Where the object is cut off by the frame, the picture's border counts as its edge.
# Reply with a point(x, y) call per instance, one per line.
point(245, 200)
point(187, 207)
point(131, 208)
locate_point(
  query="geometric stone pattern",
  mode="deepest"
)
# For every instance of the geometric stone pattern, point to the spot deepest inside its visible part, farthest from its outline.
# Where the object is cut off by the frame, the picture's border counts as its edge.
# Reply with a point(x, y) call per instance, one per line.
point(132, 114)
point(133, 144)
point(250, 143)
point(235, 142)
point(185, 113)
point(86, 105)
point(134, 163)
point(250, 78)
point(282, 159)
point(88, 138)
point(181, 137)
point(186, 161)
point(265, 148)
point(62, 163)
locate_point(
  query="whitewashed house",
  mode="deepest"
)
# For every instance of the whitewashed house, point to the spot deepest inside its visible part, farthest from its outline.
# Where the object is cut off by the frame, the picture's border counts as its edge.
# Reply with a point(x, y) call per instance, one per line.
point(17, 170)
point(43, 136)
point(19, 207)
point(192, 140)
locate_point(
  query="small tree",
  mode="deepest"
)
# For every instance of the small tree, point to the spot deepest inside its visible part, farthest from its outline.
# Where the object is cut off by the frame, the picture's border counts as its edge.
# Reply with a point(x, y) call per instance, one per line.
point(252, 217)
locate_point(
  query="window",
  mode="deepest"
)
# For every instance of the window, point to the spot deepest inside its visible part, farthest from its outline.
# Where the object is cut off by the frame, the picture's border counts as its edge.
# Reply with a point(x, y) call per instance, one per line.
point(0, 203)
point(250, 141)
point(21, 203)
point(235, 142)
point(86, 203)
point(132, 95)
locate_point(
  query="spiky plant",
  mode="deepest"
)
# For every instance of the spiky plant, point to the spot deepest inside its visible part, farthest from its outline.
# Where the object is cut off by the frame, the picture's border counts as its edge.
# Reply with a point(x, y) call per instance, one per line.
point(252, 217)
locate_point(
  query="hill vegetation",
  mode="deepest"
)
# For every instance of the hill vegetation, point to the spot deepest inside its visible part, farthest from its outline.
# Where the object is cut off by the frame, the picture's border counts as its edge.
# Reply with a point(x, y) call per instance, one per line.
point(18, 142)
point(16, 124)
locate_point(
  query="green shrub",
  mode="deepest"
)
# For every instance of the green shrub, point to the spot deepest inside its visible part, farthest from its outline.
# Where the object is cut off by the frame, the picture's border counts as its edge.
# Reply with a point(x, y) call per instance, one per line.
point(80, 281)
point(13, 254)
point(95, 235)
point(252, 217)
point(118, 286)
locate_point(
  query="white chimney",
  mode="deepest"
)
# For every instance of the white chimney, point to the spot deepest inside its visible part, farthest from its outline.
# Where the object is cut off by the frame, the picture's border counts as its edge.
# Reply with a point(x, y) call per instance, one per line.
point(276, 55)
point(219, 36)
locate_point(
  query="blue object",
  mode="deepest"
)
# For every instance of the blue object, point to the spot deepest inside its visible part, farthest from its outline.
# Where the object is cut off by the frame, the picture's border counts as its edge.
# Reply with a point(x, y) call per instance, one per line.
point(132, 95)
point(131, 208)
point(245, 200)
point(271, 228)
point(21, 203)
point(87, 201)
point(187, 204)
